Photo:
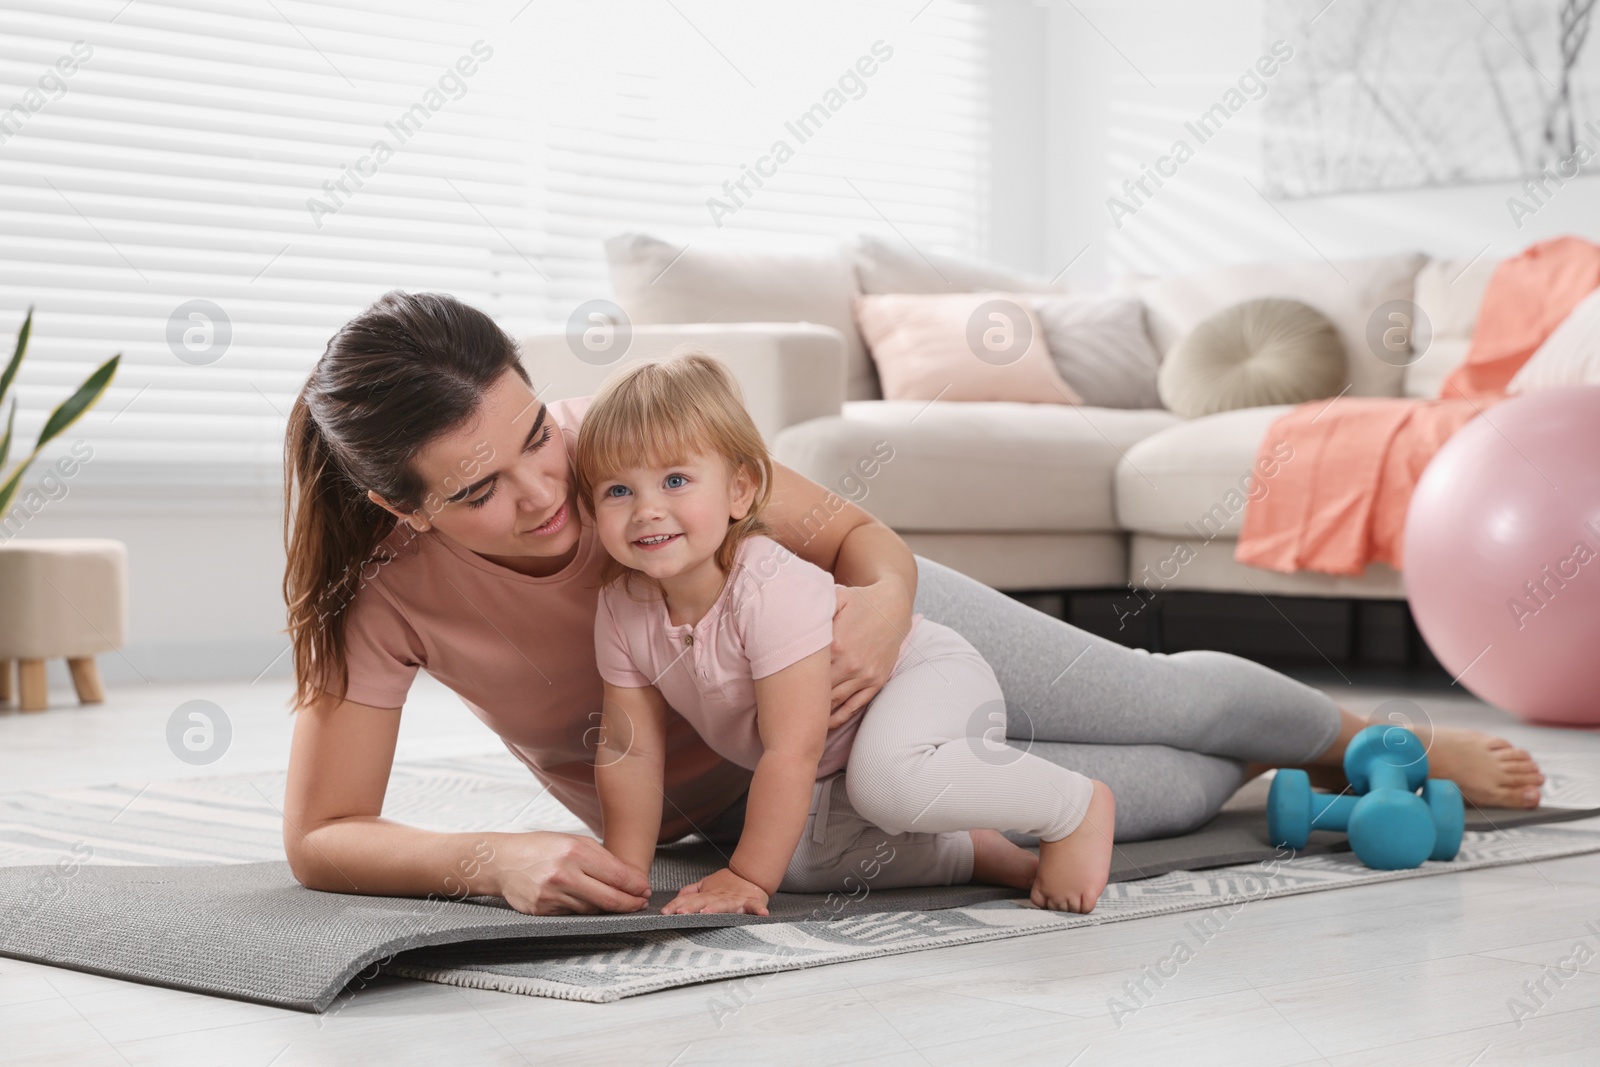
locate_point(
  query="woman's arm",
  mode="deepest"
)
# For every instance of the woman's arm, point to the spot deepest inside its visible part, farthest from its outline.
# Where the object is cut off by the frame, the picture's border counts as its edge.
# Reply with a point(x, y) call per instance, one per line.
point(629, 765)
point(873, 615)
point(791, 715)
point(336, 841)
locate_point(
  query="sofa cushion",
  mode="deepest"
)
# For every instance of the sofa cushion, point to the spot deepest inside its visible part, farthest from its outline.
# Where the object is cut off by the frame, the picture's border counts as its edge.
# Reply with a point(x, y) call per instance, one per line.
point(1260, 352)
point(656, 282)
point(1449, 292)
point(971, 467)
point(1569, 356)
point(1351, 292)
point(882, 267)
point(1193, 480)
point(959, 346)
point(1022, 559)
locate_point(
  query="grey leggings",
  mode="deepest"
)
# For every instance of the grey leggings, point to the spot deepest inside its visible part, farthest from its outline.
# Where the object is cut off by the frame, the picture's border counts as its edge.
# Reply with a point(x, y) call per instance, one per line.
point(1170, 734)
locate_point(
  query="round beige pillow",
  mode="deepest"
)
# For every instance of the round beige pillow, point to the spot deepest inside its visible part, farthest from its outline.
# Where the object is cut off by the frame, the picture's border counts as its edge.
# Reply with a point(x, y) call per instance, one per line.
point(1260, 352)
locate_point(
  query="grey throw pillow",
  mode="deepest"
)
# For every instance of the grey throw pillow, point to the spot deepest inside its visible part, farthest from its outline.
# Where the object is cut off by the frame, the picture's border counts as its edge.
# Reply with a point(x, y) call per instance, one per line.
point(1254, 354)
point(1101, 348)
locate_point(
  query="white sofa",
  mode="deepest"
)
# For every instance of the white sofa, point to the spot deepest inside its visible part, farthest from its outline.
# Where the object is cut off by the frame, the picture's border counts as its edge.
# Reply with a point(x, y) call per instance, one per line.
point(1055, 497)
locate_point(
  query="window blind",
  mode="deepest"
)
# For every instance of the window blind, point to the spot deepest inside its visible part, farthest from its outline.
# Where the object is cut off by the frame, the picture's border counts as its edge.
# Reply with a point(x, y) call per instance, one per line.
point(212, 187)
point(701, 96)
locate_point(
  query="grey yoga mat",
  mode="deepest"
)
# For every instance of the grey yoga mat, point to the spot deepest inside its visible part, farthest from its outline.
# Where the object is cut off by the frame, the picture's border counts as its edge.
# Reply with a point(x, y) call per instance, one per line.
point(250, 931)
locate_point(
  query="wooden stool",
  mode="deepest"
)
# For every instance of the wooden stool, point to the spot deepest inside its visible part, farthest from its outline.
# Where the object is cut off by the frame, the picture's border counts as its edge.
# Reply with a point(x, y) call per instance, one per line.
point(62, 598)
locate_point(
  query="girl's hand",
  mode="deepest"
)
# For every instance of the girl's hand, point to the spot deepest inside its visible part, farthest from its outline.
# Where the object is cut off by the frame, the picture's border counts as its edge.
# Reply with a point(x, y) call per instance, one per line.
point(543, 873)
point(869, 625)
point(723, 893)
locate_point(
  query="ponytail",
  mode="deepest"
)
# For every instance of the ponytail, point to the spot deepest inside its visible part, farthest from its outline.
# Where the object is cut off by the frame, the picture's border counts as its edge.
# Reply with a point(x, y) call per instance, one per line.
point(330, 529)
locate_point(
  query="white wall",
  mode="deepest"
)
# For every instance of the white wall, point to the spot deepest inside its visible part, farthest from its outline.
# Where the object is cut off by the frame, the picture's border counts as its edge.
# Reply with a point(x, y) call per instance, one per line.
point(1108, 113)
point(1019, 149)
point(203, 585)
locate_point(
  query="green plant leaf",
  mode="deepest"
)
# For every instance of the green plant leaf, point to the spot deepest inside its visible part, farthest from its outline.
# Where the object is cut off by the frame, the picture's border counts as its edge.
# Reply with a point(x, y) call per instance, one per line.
point(5, 442)
point(9, 489)
point(16, 358)
point(65, 414)
point(70, 409)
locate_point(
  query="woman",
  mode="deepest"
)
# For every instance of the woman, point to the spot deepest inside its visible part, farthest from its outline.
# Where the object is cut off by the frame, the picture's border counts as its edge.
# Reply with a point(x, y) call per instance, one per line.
point(430, 523)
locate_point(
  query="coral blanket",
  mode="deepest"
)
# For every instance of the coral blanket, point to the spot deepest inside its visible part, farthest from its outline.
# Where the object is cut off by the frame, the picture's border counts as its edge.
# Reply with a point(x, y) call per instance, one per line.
point(1340, 501)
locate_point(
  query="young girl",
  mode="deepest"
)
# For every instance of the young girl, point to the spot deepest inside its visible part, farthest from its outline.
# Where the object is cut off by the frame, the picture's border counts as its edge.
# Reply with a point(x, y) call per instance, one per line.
point(702, 614)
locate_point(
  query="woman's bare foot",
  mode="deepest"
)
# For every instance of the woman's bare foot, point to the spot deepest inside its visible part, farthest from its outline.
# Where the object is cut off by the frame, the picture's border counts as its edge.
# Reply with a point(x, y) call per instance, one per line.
point(1491, 771)
point(1074, 870)
point(996, 861)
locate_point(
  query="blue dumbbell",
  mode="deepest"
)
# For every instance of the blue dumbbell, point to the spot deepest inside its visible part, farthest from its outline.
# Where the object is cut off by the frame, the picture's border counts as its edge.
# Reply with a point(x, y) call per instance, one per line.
point(1391, 826)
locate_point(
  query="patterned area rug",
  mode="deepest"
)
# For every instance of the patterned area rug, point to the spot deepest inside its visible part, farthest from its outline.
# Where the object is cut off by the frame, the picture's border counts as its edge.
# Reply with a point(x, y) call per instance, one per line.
point(623, 965)
point(235, 819)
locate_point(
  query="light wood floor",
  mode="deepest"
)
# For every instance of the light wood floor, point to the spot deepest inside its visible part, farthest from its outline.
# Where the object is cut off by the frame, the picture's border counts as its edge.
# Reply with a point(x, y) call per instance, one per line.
point(1417, 972)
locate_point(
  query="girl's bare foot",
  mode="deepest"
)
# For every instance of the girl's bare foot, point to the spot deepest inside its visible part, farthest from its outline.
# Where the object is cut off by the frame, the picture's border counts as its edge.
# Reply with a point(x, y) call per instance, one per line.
point(1074, 870)
point(996, 861)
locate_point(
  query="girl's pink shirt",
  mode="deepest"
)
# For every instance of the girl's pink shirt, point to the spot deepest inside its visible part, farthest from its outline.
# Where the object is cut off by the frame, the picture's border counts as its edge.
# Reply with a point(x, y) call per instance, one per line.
point(774, 610)
point(519, 651)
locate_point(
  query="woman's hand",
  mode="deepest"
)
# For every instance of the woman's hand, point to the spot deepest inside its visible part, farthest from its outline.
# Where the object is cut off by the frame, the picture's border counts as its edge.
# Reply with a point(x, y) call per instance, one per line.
point(723, 893)
point(544, 873)
point(869, 625)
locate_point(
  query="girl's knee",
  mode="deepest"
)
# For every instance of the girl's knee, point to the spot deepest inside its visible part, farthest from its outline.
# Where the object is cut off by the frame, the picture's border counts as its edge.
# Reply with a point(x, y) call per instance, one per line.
point(880, 796)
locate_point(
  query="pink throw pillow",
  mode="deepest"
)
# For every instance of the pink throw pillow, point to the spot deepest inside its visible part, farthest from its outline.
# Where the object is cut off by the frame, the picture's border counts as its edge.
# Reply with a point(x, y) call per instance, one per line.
point(960, 346)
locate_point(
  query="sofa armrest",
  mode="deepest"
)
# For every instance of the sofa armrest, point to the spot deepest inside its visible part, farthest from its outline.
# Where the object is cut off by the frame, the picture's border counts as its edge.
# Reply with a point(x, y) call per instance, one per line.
point(789, 372)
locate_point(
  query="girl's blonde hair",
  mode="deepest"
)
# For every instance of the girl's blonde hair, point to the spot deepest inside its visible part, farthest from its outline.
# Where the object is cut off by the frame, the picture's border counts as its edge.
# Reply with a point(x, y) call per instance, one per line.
point(660, 413)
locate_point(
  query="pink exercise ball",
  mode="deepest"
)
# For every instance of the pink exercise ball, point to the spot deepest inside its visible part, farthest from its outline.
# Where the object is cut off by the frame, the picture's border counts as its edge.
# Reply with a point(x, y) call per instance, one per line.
point(1502, 555)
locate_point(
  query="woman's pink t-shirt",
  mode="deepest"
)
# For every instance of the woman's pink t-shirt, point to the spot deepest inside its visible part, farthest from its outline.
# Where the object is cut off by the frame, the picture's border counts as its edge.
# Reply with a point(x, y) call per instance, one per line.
point(520, 653)
point(774, 610)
